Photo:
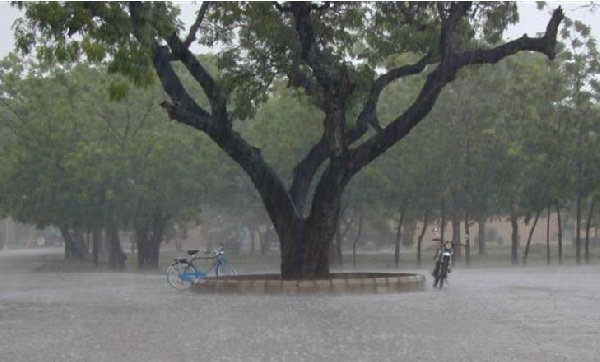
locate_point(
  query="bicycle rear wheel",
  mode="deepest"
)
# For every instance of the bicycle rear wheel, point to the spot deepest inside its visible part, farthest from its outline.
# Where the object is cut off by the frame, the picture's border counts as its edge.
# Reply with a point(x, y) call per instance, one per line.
point(174, 272)
point(226, 270)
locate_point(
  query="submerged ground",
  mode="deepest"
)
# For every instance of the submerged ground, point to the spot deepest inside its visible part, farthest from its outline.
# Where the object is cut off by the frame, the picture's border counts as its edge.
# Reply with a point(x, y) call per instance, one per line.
point(526, 314)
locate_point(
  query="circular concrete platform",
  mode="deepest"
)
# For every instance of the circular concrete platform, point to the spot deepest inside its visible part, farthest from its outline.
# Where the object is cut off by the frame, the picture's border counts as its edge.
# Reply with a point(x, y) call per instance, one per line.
point(337, 283)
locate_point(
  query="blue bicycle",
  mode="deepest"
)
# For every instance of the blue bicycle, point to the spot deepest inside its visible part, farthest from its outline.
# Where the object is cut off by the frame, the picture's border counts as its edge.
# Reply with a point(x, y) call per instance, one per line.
point(183, 272)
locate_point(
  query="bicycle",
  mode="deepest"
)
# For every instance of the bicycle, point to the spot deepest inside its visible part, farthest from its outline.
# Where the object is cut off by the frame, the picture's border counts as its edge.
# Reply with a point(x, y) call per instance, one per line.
point(183, 272)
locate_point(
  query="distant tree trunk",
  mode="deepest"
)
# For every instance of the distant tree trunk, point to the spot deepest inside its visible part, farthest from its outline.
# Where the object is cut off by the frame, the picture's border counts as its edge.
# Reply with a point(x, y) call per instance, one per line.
point(96, 244)
point(420, 240)
point(456, 226)
point(456, 235)
point(265, 241)
point(548, 238)
point(526, 253)
point(560, 235)
point(342, 228)
point(358, 234)
point(255, 238)
point(514, 237)
point(588, 225)
point(467, 239)
point(579, 195)
point(75, 247)
point(398, 237)
point(149, 235)
point(180, 239)
point(442, 218)
point(481, 234)
point(339, 256)
point(116, 256)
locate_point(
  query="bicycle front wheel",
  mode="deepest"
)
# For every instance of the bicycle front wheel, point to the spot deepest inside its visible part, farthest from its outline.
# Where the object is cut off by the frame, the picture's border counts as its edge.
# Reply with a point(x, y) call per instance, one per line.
point(226, 270)
point(174, 275)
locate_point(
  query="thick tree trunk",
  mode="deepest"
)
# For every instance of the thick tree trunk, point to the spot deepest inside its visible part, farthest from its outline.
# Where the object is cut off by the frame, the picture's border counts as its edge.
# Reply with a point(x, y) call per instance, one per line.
point(481, 234)
point(514, 238)
point(587, 231)
point(421, 236)
point(305, 243)
point(560, 235)
point(526, 253)
point(398, 238)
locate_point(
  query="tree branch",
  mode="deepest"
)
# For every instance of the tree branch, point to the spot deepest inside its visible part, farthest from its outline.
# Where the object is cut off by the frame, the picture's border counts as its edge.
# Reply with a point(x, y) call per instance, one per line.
point(457, 12)
point(182, 115)
point(308, 43)
point(368, 114)
point(310, 164)
point(444, 73)
point(172, 85)
point(183, 109)
point(545, 45)
point(304, 172)
point(206, 81)
point(194, 28)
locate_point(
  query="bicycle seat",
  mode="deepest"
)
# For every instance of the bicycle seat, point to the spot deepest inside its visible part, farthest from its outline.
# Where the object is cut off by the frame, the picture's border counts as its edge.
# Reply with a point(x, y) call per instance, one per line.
point(192, 252)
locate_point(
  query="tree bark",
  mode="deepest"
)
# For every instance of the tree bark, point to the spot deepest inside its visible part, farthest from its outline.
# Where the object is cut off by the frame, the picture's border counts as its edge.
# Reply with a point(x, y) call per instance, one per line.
point(526, 253)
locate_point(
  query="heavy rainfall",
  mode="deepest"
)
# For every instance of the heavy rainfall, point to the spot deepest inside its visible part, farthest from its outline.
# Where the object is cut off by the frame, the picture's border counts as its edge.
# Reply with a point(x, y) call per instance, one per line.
point(151, 150)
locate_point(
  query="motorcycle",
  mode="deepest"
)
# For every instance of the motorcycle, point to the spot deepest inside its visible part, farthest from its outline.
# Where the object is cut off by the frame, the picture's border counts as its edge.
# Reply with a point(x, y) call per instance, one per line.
point(444, 260)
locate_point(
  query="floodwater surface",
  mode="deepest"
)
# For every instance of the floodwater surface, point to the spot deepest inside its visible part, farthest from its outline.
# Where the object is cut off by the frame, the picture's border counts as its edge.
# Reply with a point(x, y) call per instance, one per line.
point(525, 314)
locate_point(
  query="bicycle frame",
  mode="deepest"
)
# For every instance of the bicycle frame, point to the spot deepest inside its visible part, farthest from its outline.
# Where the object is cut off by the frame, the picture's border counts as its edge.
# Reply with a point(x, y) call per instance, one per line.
point(218, 261)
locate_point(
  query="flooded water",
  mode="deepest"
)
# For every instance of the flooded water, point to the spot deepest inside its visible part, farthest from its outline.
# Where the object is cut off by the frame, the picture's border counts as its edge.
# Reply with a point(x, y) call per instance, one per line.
point(533, 314)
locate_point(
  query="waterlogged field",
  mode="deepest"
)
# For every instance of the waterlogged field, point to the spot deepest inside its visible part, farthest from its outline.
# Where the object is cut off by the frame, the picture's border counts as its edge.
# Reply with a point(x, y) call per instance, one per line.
point(524, 314)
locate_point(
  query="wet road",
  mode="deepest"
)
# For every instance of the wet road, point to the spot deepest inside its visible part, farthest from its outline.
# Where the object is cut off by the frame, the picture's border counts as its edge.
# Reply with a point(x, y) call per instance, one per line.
point(535, 314)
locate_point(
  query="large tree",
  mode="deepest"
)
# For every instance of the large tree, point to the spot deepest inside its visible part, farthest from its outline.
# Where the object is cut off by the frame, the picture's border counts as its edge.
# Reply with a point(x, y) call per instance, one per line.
point(331, 51)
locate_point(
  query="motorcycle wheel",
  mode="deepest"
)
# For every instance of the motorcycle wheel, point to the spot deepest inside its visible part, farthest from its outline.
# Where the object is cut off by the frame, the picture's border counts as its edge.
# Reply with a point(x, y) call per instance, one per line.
point(443, 273)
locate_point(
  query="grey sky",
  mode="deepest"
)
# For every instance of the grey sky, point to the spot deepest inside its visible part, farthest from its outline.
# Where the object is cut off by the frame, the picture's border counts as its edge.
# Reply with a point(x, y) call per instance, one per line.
point(532, 20)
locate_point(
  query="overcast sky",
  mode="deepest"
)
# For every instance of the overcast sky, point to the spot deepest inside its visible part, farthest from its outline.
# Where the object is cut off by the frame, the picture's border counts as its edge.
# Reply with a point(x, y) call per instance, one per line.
point(532, 20)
